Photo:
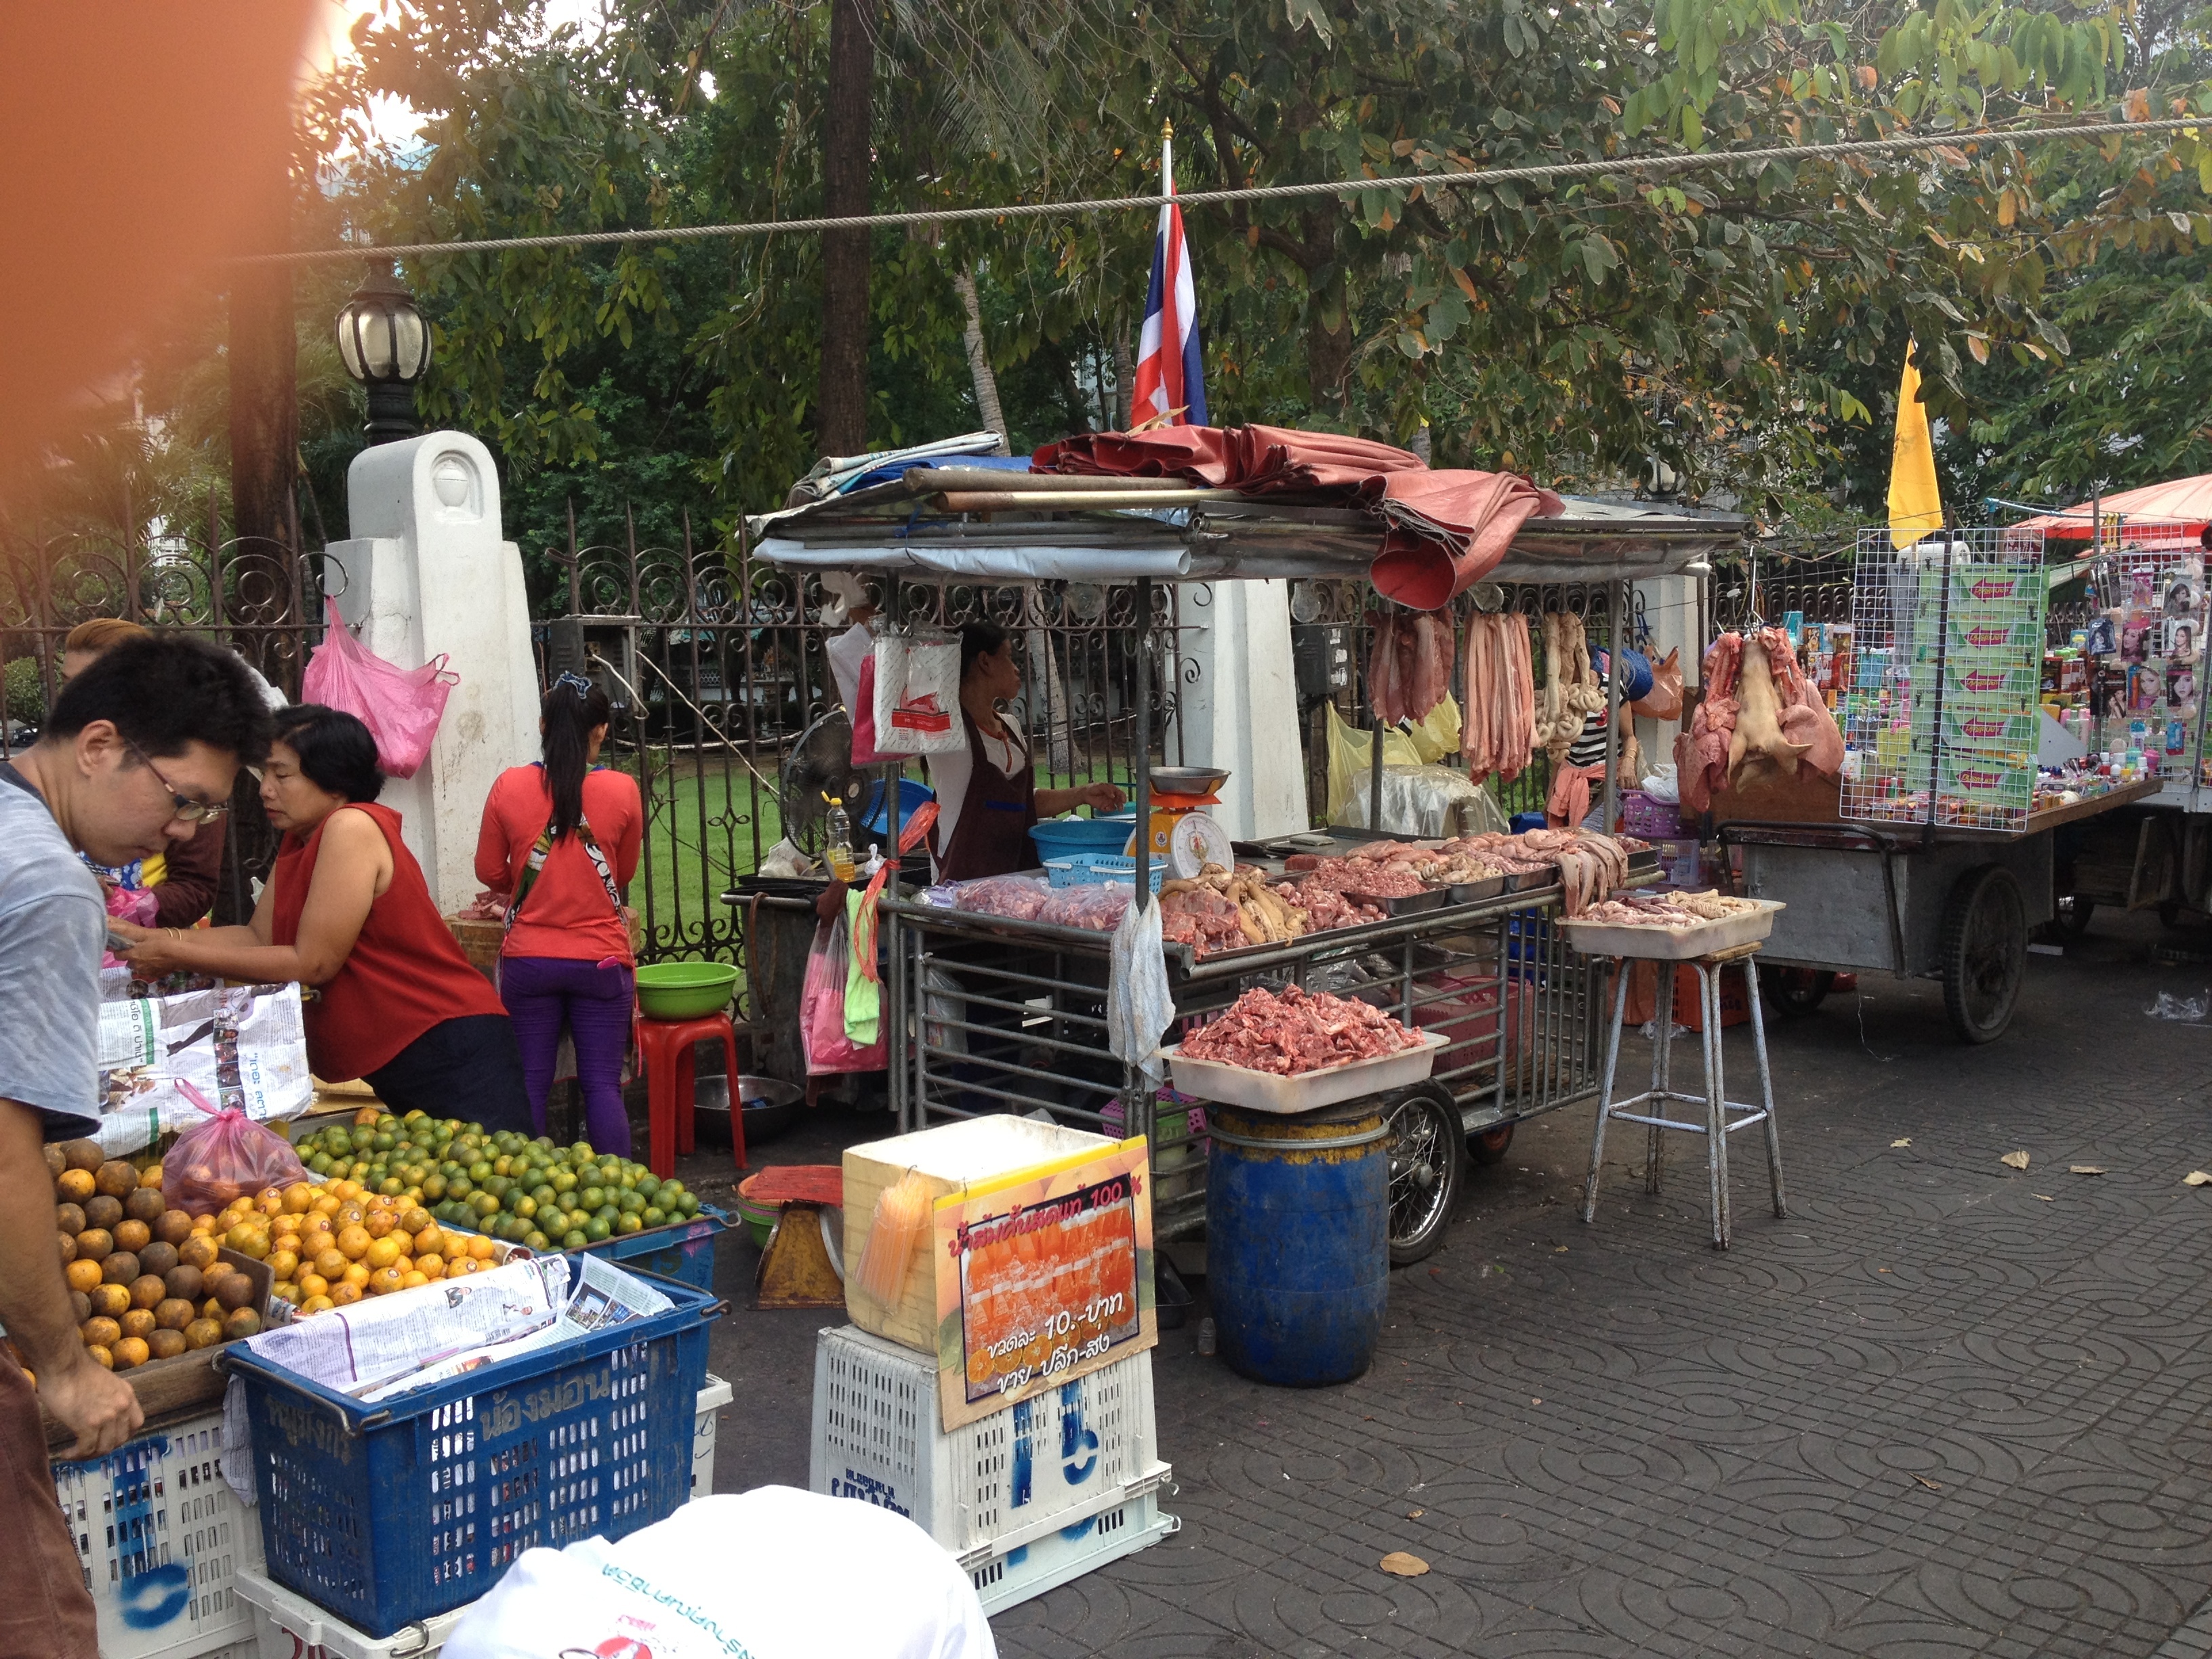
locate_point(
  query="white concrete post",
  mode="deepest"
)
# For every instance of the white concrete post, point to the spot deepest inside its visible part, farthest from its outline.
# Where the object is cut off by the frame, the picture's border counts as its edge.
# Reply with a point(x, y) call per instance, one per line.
point(427, 574)
point(1242, 712)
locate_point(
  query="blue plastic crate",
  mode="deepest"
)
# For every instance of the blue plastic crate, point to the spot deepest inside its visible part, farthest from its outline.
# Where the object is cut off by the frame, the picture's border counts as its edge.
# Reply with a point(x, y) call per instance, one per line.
point(391, 1513)
point(681, 1250)
point(1097, 869)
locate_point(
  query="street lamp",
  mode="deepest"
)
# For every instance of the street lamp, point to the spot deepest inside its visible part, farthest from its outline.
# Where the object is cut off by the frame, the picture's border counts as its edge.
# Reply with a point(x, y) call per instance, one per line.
point(386, 347)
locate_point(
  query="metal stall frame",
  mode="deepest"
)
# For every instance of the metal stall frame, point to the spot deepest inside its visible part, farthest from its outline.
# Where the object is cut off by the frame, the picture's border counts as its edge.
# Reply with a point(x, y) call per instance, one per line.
point(1526, 1010)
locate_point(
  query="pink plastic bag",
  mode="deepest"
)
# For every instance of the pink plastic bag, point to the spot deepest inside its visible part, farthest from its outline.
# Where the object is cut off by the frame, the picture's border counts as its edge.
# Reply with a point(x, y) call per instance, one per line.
point(822, 1006)
point(224, 1156)
point(401, 706)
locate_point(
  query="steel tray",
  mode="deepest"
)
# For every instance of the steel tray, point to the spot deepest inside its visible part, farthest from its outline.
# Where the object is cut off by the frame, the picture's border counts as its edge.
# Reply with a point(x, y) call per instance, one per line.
point(1608, 938)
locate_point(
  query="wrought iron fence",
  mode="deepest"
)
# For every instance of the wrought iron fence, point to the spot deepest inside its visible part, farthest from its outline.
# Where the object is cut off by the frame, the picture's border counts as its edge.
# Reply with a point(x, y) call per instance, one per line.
point(253, 594)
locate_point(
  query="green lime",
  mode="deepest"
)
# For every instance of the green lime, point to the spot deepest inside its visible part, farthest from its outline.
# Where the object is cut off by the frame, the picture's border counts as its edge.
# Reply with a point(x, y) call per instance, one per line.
point(537, 1241)
point(583, 1152)
point(591, 1198)
point(564, 1180)
point(575, 1239)
point(485, 1204)
point(525, 1206)
point(595, 1229)
point(459, 1186)
point(629, 1224)
point(320, 1163)
point(655, 1216)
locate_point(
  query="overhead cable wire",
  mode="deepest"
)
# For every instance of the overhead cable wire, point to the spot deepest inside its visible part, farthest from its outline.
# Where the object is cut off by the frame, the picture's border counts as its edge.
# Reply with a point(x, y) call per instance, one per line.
point(1542, 174)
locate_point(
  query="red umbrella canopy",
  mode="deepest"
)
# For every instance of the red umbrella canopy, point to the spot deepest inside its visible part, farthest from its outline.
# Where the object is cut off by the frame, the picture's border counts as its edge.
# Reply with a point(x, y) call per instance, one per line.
point(2184, 502)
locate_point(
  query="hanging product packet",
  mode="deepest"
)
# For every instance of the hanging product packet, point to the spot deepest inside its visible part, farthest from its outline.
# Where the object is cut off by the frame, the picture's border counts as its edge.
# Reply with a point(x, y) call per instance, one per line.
point(917, 694)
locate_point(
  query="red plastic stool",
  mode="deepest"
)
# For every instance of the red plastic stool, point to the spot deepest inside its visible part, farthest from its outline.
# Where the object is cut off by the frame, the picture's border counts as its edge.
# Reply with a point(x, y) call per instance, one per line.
point(666, 1047)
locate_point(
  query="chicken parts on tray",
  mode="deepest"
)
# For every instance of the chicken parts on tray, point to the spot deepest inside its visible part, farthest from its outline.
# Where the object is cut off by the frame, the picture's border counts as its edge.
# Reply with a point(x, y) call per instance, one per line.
point(1290, 1031)
point(1668, 909)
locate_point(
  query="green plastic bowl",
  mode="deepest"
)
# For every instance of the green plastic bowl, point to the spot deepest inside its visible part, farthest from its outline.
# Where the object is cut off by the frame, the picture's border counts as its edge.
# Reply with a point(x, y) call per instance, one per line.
point(685, 990)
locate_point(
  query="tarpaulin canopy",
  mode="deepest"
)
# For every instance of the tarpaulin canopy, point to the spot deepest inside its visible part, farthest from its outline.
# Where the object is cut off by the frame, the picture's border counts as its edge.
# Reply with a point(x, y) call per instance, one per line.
point(2184, 503)
point(1444, 530)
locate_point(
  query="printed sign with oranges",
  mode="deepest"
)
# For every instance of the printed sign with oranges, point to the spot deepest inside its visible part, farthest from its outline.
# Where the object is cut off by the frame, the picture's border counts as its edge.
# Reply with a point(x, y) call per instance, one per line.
point(1049, 1277)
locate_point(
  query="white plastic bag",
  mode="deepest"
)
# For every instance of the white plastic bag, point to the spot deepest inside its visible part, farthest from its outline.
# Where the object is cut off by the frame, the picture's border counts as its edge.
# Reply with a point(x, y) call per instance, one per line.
point(1138, 1005)
point(917, 701)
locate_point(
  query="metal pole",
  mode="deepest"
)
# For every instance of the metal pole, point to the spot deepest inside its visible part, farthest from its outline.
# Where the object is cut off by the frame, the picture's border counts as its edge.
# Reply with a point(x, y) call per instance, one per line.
point(1144, 756)
point(1616, 632)
point(1377, 731)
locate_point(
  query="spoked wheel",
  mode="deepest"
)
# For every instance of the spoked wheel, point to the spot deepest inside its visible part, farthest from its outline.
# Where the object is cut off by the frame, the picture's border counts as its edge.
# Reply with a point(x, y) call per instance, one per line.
point(1984, 952)
point(1424, 1170)
point(2070, 915)
point(1487, 1147)
point(1800, 990)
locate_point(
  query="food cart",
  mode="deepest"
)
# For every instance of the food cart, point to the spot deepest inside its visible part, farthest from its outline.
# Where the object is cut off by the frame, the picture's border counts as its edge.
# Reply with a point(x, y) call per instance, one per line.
point(987, 1014)
point(1940, 853)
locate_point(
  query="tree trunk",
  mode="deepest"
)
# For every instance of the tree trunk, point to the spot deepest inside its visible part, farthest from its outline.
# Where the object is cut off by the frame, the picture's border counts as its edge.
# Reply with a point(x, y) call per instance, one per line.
point(979, 361)
point(1125, 371)
point(1328, 348)
point(842, 414)
point(264, 390)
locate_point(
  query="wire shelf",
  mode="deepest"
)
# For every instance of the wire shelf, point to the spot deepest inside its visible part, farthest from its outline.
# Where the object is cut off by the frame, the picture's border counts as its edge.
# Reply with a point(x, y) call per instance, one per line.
point(1941, 720)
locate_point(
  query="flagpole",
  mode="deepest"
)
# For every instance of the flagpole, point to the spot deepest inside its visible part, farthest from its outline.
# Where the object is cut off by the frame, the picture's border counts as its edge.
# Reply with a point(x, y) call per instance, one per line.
point(1167, 159)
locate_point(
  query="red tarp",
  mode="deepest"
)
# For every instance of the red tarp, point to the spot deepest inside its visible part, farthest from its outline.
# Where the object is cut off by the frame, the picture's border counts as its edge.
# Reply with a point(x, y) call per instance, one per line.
point(1444, 529)
point(2186, 502)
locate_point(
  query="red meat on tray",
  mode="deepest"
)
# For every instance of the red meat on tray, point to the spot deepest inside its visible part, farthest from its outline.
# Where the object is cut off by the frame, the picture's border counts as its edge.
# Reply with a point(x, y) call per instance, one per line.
point(1291, 1031)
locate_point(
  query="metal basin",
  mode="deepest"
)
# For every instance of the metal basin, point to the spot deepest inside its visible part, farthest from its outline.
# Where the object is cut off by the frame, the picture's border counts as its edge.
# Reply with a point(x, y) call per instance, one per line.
point(1188, 779)
point(772, 1106)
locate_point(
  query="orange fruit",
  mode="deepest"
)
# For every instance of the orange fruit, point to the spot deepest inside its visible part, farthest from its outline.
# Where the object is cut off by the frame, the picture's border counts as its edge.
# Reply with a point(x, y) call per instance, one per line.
point(459, 1268)
point(384, 1281)
point(100, 1356)
point(116, 1178)
point(96, 1243)
point(270, 1200)
point(356, 1274)
point(379, 1222)
point(75, 1185)
point(297, 1197)
point(244, 1323)
point(431, 1266)
point(68, 1246)
point(342, 1294)
point(315, 1304)
point(331, 1262)
point(409, 1281)
point(248, 1240)
point(198, 1251)
point(416, 1218)
point(233, 1291)
point(203, 1333)
point(480, 1247)
point(213, 1310)
point(172, 1313)
point(365, 1117)
point(138, 1322)
point(173, 1227)
point(114, 1300)
point(428, 1239)
point(100, 1333)
point(354, 1242)
point(131, 1349)
point(314, 1285)
point(151, 1175)
point(145, 1205)
point(348, 1190)
point(149, 1290)
point(132, 1235)
point(120, 1269)
point(165, 1344)
point(326, 1203)
point(285, 1264)
point(382, 1253)
point(82, 1275)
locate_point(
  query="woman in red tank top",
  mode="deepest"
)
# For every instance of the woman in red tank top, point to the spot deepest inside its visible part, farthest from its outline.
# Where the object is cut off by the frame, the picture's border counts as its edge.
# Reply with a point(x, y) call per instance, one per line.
point(346, 910)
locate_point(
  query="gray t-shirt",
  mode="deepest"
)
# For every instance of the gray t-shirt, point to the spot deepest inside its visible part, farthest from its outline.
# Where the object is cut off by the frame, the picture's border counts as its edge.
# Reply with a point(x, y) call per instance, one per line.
point(53, 923)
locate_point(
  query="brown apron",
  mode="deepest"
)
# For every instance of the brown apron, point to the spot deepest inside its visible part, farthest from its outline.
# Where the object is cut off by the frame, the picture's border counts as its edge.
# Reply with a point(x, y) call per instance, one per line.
point(992, 838)
point(44, 1607)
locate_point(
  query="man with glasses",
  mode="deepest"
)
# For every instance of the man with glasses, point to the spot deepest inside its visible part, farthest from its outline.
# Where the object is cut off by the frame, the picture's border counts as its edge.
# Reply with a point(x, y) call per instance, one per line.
point(139, 752)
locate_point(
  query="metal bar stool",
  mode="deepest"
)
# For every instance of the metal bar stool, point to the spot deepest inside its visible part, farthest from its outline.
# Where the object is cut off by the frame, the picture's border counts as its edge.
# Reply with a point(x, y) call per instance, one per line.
point(1723, 1117)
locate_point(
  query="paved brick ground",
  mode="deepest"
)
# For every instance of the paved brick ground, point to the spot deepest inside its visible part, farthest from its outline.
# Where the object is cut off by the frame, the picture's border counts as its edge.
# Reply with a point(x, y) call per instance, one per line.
point(1942, 1409)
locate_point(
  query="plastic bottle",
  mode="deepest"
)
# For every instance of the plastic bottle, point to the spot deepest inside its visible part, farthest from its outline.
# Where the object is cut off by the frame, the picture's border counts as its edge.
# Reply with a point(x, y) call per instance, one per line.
point(839, 852)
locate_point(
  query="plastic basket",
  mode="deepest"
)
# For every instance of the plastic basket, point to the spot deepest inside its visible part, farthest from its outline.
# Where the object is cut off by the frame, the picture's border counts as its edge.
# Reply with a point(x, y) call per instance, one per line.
point(716, 1394)
point(1097, 869)
point(1060, 838)
point(1648, 819)
point(681, 1250)
point(878, 1437)
point(1006, 1577)
point(161, 1539)
point(388, 1514)
point(289, 1626)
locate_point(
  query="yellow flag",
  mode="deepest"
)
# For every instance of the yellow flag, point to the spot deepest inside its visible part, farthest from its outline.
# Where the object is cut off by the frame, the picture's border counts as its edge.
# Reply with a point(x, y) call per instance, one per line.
point(1915, 506)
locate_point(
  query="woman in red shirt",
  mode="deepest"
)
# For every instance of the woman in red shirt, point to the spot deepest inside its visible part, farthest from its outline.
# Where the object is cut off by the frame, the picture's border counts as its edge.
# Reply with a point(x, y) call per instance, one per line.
point(562, 835)
point(346, 910)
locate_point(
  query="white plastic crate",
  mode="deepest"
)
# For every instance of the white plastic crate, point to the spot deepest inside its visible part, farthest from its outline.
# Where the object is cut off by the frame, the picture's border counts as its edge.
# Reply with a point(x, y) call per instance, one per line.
point(1007, 1573)
point(290, 1627)
point(161, 1539)
point(1075, 1448)
point(716, 1394)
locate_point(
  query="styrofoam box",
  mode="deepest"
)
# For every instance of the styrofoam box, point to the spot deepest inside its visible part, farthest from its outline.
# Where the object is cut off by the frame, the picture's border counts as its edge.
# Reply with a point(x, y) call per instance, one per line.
point(1007, 1575)
point(161, 1539)
point(716, 1394)
point(1304, 1091)
point(1073, 1449)
point(290, 1627)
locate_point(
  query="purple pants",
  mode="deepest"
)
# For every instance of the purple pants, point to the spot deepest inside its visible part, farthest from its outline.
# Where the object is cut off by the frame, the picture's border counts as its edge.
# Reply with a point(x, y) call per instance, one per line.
point(595, 1001)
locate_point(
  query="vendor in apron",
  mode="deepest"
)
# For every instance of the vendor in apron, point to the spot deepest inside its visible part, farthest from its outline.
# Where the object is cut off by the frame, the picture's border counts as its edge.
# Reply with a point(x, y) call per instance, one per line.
point(987, 797)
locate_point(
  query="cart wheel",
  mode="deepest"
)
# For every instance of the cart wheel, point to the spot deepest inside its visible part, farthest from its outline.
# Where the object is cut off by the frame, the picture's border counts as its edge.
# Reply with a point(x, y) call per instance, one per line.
point(2070, 915)
point(1984, 952)
point(1488, 1148)
point(1424, 1170)
point(1800, 990)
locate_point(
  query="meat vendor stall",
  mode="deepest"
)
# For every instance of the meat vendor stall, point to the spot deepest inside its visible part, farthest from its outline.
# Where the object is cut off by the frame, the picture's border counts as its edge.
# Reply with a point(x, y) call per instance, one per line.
point(1932, 852)
point(998, 996)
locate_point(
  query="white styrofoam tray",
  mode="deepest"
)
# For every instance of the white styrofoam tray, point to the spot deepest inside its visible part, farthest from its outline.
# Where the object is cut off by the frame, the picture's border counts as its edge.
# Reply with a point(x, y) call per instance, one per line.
point(1605, 939)
point(1039, 1464)
point(161, 1538)
point(1304, 1091)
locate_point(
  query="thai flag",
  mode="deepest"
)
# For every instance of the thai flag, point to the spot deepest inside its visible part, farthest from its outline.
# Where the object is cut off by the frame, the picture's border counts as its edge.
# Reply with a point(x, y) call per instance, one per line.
point(1170, 377)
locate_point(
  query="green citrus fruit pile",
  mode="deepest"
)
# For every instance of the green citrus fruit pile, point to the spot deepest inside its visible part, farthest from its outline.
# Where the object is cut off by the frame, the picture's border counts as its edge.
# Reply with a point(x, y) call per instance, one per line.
point(527, 1192)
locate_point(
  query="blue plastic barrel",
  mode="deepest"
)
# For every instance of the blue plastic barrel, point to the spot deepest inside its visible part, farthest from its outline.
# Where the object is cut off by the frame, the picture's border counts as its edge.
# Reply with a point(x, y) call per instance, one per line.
point(1298, 1241)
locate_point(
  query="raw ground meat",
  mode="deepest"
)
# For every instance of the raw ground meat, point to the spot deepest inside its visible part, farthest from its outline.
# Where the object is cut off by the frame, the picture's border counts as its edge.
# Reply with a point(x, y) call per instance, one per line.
point(1290, 1031)
point(1016, 898)
point(1100, 908)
